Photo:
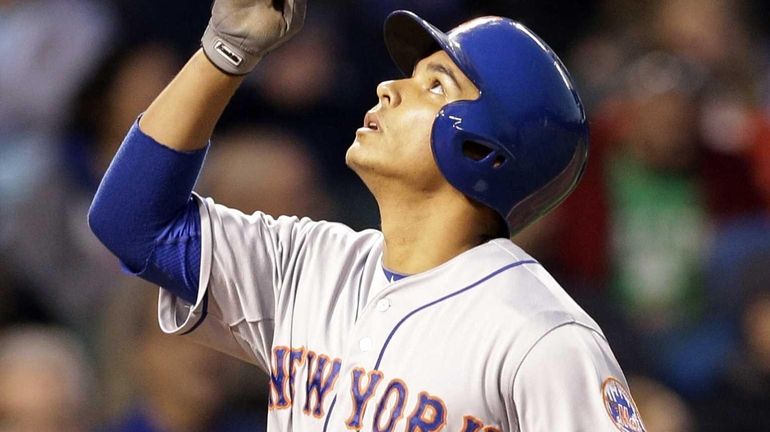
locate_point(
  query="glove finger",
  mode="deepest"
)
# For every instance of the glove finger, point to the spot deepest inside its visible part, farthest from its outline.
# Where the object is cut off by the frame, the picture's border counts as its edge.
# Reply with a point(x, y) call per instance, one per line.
point(294, 14)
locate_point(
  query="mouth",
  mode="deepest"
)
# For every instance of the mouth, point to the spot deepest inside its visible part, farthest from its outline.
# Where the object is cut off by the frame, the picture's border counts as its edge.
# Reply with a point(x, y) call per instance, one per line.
point(371, 122)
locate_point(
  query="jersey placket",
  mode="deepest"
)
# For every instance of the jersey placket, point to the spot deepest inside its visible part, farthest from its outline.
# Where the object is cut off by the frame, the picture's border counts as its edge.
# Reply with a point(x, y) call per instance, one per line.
point(381, 313)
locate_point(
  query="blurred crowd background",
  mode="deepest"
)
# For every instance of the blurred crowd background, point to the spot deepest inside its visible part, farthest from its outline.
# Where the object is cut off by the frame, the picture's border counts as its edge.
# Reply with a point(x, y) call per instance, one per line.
point(666, 242)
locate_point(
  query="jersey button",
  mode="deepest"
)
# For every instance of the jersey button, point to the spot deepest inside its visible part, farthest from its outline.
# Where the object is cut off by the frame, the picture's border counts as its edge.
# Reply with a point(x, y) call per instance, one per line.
point(366, 344)
point(383, 305)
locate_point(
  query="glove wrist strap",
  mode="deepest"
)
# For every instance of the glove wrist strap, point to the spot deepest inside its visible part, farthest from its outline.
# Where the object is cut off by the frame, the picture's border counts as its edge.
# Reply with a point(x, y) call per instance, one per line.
point(226, 56)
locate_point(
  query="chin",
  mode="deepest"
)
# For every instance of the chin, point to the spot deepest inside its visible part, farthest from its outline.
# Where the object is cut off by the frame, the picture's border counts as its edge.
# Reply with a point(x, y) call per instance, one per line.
point(350, 156)
point(362, 164)
point(356, 161)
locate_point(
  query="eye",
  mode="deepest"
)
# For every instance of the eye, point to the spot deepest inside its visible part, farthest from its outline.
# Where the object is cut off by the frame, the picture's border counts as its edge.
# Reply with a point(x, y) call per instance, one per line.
point(437, 88)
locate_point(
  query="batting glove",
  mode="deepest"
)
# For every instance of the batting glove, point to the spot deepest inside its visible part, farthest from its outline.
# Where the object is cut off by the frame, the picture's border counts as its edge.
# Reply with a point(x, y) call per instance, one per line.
point(241, 32)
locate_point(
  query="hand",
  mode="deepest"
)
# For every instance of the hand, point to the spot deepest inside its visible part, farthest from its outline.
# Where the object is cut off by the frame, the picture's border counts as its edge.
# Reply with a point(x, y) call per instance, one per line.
point(241, 32)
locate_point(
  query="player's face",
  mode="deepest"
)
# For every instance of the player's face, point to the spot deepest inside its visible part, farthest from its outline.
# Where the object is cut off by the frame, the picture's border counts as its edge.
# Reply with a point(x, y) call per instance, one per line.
point(394, 142)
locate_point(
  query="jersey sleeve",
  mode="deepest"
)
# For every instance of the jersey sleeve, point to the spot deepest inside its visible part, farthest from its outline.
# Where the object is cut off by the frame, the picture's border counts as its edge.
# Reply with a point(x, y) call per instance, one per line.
point(244, 261)
point(570, 381)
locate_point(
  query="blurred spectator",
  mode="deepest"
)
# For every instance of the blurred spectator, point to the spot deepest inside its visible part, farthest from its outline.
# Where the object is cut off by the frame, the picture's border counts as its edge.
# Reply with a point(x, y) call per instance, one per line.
point(597, 61)
point(52, 241)
point(741, 401)
point(305, 72)
point(310, 86)
point(162, 383)
point(712, 33)
point(737, 244)
point(125, 84)
point(267, 170)
point(642, 221)
point(662, 410)
point(759, 153)
point(49, 47)
point(46, 382)
point(318, 86)
point(653, 220)
point(19, 305)
point(62, 41)
point(653, 131)
point(657, 214)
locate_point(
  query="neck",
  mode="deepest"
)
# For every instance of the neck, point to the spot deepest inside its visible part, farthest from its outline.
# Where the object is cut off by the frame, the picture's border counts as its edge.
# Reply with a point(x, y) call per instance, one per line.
point(423, 233)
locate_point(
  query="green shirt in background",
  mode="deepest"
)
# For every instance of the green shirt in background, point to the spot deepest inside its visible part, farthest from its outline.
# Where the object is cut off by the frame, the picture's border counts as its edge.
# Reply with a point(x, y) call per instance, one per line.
point(659, 233)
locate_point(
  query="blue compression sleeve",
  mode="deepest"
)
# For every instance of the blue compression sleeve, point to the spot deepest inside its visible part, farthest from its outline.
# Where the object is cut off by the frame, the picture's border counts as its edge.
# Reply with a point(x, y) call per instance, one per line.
point(144, 213)
point(176, 259)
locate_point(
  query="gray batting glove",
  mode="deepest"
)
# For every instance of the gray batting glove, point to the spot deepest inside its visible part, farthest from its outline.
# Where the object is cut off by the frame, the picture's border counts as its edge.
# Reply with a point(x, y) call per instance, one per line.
point(241, 32)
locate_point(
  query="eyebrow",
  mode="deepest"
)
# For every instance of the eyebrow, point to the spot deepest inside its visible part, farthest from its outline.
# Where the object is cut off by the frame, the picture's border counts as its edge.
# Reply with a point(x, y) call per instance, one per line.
point(436, 67)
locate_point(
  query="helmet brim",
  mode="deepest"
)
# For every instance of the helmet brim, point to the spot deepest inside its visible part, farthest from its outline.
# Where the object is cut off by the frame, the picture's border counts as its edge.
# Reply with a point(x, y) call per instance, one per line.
point(410, 39)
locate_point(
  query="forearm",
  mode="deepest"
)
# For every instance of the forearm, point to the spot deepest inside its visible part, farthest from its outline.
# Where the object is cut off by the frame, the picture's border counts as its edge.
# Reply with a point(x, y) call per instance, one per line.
point(183, 116)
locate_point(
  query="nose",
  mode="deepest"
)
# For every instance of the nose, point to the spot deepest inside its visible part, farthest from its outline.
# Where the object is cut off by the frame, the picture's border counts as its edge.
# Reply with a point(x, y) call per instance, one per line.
point(388, 94)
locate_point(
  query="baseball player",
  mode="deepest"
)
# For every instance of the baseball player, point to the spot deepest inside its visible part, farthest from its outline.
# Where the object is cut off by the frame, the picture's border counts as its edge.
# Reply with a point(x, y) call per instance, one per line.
point(436, 322)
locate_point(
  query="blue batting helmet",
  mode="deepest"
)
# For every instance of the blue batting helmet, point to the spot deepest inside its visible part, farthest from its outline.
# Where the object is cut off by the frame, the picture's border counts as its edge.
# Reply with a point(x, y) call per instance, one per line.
point(528, 117)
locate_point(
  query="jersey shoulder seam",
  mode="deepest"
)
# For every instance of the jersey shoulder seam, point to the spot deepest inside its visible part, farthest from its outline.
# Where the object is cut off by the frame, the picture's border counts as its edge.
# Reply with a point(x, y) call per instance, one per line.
point(572, 321)
point(516, 256)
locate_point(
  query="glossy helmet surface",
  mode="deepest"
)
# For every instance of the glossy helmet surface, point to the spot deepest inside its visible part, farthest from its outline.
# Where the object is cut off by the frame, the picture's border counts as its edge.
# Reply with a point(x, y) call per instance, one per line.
point(528, 117)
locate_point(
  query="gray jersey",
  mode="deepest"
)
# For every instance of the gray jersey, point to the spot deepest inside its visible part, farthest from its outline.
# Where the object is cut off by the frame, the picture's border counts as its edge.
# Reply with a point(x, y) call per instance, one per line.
point(487, 341)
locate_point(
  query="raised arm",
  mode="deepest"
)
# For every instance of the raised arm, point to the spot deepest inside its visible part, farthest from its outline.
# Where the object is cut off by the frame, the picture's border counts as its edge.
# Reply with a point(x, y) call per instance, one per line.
point(143, 211)
point(239, 34)
point(183, 116)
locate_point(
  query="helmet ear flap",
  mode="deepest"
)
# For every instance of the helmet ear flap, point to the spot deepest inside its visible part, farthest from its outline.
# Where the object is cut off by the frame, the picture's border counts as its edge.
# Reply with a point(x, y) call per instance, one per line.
point(469, 159)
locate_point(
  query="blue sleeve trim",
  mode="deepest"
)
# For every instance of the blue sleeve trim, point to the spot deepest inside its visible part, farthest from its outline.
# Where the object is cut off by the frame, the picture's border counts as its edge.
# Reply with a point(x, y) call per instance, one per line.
point(144, 213)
